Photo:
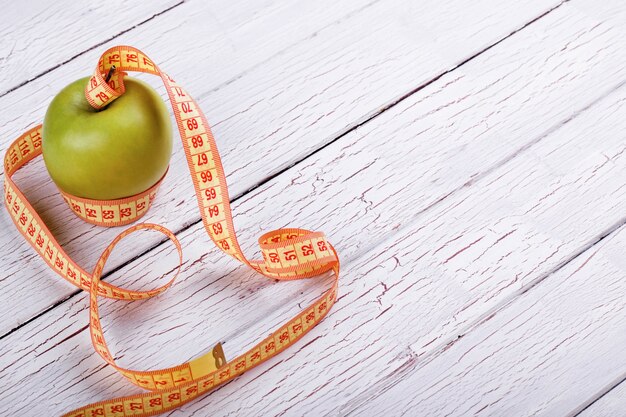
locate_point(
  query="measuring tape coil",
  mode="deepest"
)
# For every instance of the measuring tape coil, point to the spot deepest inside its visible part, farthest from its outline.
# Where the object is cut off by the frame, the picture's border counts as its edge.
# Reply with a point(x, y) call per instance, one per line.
point(288, 254)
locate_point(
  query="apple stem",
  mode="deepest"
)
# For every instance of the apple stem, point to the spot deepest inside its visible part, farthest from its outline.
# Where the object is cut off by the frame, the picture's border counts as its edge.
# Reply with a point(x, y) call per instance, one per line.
point(109, 74)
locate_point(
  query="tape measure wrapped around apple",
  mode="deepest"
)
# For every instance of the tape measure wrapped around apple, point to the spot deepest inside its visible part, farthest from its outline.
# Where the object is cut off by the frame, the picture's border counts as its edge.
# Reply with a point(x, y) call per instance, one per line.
point(108, 162)
point(107, 144)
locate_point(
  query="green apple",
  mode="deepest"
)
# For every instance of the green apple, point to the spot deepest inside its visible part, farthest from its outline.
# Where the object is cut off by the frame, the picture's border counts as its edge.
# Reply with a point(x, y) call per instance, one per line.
point(116, 152)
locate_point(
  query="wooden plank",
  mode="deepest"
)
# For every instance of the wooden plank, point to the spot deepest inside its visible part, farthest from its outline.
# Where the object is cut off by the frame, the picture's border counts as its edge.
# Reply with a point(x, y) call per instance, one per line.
point(611, 404)
point(85, 242)
point(391, 276)
point(296, 102)
point(417, 295)
point(36, 37)
point(543, 355)
point(613, 12)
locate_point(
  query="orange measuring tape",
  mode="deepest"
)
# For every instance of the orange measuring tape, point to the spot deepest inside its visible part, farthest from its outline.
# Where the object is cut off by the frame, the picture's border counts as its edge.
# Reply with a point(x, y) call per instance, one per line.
point(288, 254)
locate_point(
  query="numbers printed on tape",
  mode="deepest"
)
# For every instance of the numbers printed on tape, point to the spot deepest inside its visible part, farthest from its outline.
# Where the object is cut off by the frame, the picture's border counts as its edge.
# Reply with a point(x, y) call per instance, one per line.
point(287, 253)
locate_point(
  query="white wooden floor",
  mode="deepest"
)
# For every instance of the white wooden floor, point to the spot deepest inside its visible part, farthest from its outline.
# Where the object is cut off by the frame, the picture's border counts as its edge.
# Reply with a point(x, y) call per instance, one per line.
point(466, 157)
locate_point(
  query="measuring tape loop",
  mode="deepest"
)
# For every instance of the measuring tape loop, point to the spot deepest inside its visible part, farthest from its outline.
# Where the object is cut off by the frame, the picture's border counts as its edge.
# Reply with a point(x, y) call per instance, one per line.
point(288, 254)
point(150, 380)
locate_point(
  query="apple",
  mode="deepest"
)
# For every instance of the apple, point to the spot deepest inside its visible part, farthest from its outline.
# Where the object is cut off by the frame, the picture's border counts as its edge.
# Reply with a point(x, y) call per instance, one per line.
point(111, 153)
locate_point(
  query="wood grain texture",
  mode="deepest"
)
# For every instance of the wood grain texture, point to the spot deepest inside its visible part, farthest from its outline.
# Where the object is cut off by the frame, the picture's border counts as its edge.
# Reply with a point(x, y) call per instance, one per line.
point(422, 291)
point(408, 251)
point(548, 351)
point(612, 404)
point(85, 242)
point(295, 97)
point(613, 12)
point(37, 36)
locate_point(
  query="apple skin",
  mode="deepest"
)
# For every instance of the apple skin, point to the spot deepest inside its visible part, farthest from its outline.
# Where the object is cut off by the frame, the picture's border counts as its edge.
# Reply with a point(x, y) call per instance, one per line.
point(116, 152)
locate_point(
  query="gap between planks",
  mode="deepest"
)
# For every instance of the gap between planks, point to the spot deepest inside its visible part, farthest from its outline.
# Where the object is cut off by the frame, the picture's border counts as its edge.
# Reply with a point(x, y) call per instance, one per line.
point(269, 178)
point(413, 365)
point(526, 156)
point(564, 116)
point(91, 48)
point(302, 111)
point(609, 389)
point(445, 344)
point(221, 85)
point(444, 378)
